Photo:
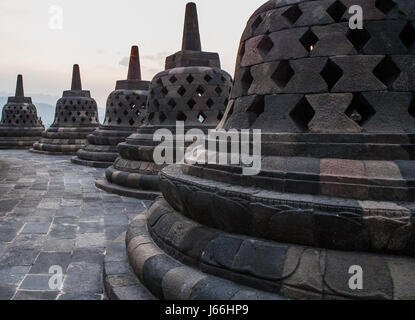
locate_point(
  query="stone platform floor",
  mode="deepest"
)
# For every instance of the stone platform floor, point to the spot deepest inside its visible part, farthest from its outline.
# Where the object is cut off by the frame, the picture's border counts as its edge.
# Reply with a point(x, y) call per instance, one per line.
point(51, 214)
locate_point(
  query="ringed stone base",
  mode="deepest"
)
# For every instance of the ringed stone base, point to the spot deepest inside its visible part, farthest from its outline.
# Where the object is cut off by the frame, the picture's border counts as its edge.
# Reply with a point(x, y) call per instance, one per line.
point(120, 283)
point(169, 279)
point(88, 163)
point(109, 187)
point(169, 251)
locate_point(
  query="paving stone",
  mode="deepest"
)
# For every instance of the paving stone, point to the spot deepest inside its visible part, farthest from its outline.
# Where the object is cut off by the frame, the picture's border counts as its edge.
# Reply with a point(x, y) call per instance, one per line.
point(36, 228)
point(83, 278)
point(89, 240)
point(45, 260)
point(13, 275)
point(38, 282)
point(35, 295)
point(48, 198)
point(7, 291)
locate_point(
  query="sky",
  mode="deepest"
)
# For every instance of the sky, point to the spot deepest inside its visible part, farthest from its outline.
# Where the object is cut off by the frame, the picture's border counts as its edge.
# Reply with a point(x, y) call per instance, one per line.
point(98, 35)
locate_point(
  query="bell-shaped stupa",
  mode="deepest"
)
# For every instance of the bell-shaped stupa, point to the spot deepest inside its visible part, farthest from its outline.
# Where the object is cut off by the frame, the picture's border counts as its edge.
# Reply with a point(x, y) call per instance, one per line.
point(124, 115)
point(192, 90)
point(20, 126)
point(331, 214)
point(76, 116)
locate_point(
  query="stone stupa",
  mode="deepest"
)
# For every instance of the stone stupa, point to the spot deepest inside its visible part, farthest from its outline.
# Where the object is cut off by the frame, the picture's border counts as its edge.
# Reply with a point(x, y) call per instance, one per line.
point(335, 197)
point(193, 89)
point(124, 115)
point(20, 126)
point(76, 116)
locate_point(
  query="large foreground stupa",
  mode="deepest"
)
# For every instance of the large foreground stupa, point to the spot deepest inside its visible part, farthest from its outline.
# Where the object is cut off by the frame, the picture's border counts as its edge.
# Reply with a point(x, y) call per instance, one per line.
point(332, 213)
point(76, 116)
point(125, 113)
point(20, 126)
point(192, 90)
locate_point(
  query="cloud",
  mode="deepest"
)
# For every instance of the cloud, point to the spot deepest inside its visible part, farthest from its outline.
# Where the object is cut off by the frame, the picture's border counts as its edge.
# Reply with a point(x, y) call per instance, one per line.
point(157, 57)
point(125, 61)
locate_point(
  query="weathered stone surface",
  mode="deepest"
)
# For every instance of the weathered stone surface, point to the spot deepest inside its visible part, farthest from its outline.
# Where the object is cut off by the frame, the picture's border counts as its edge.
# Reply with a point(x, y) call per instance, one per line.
point(20, 126)
point(192, 90)
point(125, 113)
point(76, 116)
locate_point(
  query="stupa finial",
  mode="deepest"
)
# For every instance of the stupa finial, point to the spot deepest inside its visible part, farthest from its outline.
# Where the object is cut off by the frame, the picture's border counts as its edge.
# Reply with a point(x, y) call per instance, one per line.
point(134, 69)
point(19, 86)
point(76, 78)
point(191, 35)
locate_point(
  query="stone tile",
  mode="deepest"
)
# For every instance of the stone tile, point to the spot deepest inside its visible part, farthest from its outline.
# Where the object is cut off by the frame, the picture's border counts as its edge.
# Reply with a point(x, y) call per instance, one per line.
point(7, 291)
point(36, 282)
point(59, 245)
point(45, 260)
point(90, 240)
point(83, 278)
point(36, 228)
point(35, 295)
point(13, 275)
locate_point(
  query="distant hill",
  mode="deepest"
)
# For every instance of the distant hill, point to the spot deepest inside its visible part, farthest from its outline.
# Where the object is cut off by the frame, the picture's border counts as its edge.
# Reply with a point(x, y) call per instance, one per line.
point(46, 110)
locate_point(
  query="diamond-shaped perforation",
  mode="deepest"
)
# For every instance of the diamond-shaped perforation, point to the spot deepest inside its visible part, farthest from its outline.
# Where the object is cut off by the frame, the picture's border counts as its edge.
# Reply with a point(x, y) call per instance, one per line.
point(210, 103)
point(265, 45)
point(246, 81)
point(173, 79)
point(407, 35)
point(200, 91)
point(283, 74)
point(190, 78)
point(172, 103)
point(359, 38)
point(191, 103)
point(257, 22)
point(208, 78)
point(359, 110)
point(162, 117)
point(385, 5)
point(293, 14)
point(309, 40)
point(181, 91)
point(387, 71)
point(337, 10)
point(219, 90)
point(201, 117)
point(331, 73)
point(255, 109)
point(302, 114)
point(411, 109)
point(164, 91)
point(181, 117)
point(159, 82)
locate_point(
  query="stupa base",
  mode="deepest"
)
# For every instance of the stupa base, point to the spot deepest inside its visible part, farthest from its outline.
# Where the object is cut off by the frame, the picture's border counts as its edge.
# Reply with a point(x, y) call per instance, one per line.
point(91, 163)
point(18, 142)
point(165, 277)
point(109, 187)
point(168, 252)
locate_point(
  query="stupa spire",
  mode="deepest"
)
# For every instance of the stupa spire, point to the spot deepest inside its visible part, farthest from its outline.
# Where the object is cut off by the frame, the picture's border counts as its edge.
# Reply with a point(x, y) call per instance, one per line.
point(191, 35)
point(76, 78)
point(19, 86)
point(134, 69)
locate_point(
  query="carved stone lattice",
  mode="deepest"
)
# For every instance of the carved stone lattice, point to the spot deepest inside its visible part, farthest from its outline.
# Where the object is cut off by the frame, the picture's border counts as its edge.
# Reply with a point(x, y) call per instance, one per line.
point(76, 116)
point(125, 113)
point(335, 187)
point(193, 90)
point(20, 126)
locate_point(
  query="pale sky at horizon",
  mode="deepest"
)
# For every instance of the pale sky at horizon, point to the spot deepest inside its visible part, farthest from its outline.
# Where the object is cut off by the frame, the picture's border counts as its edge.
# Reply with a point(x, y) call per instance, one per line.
point(98, 35)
